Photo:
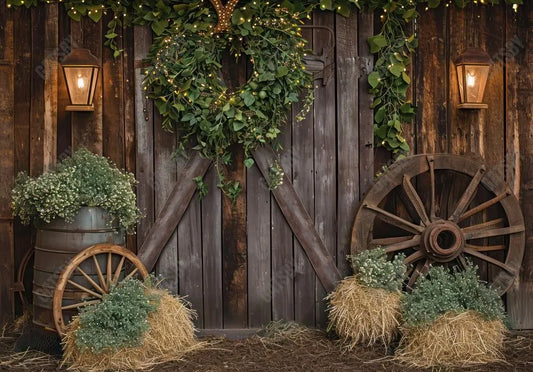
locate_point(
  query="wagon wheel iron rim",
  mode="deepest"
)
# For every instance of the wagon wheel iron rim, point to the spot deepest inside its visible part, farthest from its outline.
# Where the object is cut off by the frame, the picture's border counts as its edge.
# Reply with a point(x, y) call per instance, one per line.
point(430, 238)
point(112, 264)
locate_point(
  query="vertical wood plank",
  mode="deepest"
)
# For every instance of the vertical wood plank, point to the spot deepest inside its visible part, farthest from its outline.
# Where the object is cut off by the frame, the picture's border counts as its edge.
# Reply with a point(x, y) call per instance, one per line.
point(22, 92)
point(282, 243)
point(432, 83)
point(303, 175)
point(128, 95)
point(165, 173)
point(325, 175)
point(258, 232)
point(212, 253)
point(348, 127)
point(87, 128)
point(144, 137)
point(365, 99)
point(7, 161)
point(64, 129)
point(519, 71)
point(112, 100)
point(37, 122)
point(51, 68)
point(190, 258)
point(234, 220)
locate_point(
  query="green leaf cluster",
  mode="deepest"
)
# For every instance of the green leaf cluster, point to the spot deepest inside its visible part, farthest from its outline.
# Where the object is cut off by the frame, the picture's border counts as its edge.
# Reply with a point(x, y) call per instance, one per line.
point(82, 180)
point(188, 91)
point(456, 291)
point(119, 320)
point(375, 270)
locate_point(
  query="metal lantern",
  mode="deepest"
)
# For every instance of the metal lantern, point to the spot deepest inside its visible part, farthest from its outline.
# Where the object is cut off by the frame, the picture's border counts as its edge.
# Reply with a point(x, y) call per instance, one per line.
point(472, 73)
point(81, 69)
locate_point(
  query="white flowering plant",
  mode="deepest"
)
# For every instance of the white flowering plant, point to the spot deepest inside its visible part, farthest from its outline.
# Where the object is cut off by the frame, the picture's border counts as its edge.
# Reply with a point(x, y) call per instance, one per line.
point(82, 180)
point(375, 270)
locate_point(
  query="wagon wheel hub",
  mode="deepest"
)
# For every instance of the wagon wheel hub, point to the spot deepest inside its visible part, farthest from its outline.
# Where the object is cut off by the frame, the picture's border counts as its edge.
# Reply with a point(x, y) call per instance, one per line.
point(443, 240)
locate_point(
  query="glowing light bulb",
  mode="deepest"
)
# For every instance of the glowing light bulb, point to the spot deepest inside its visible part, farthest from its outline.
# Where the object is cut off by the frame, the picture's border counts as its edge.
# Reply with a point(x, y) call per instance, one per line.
point(470, 80)
point(81, 82)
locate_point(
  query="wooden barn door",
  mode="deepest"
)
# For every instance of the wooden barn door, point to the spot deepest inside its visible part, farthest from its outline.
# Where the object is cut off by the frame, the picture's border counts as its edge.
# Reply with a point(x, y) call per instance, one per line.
point(242, 266)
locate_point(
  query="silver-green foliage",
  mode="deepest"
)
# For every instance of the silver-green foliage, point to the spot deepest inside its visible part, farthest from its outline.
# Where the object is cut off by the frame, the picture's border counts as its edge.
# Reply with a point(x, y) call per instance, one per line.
point(374, 269)
point(84, 179)
point(457, 291)
point(120, 320)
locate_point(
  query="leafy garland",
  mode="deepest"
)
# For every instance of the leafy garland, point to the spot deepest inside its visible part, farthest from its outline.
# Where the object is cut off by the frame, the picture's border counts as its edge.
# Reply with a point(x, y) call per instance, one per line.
point(392, 46)
point(184, 82)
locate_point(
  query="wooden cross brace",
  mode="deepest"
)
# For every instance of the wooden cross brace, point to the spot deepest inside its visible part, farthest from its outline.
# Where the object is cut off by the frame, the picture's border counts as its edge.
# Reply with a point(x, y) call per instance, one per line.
point(290, 204)
point(224, 13)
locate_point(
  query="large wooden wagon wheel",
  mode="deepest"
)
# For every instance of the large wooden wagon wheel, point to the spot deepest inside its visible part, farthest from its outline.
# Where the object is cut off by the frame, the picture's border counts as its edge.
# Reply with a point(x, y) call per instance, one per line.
point(412, 210)
point(90, 275)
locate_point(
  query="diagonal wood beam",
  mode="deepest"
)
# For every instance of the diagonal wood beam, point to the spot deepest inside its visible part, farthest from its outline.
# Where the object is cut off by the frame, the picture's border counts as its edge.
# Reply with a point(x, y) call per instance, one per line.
point(301, 223)
point(174, 209)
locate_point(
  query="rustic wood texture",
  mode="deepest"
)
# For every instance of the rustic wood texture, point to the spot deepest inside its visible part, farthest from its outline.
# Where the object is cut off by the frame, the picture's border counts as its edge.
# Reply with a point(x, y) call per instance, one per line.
point(7, 161)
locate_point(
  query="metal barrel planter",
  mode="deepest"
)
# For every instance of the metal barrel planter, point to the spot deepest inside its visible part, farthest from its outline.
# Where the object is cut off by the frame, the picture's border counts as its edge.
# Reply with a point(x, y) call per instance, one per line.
point(56, 244)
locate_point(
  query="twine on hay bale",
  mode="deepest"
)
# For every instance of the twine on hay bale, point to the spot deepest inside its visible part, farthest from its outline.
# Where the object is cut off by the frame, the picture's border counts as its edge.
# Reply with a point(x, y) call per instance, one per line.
point(363, 315)
point(169, 337)
point(453, 340)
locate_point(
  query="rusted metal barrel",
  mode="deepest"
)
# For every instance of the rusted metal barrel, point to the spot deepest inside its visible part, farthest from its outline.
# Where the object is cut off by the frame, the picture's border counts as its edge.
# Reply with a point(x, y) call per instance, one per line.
point(57, 243)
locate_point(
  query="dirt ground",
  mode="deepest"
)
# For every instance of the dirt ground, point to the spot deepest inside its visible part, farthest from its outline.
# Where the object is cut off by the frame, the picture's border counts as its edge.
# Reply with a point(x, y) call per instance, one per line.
point(306, 350)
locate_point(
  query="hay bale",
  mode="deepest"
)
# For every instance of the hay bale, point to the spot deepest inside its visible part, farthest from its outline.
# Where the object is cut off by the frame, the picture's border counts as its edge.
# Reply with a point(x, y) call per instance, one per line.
point(169, 337)
point(363, 315)
point(453, 340)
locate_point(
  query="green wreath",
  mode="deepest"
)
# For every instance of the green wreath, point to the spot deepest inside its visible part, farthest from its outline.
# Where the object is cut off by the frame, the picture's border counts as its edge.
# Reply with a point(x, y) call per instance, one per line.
point(184, 78)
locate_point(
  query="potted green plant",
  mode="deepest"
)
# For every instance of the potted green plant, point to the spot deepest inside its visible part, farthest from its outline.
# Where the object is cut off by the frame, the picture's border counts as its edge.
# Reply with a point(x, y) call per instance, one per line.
point(79, 183)
point(85, 200)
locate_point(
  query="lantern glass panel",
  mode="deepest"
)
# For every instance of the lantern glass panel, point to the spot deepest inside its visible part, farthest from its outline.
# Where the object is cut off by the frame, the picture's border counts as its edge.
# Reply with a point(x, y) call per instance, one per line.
point(475, 80)
point(81, 83)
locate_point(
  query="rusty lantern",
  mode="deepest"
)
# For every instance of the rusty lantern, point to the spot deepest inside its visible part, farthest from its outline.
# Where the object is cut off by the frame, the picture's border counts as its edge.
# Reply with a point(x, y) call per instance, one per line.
point(80, 69)
point(472, 74)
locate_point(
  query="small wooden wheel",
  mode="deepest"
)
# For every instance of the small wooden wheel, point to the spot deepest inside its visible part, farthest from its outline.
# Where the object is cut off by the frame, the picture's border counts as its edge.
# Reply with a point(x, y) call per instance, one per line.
point(440, 209)
point(90, 275)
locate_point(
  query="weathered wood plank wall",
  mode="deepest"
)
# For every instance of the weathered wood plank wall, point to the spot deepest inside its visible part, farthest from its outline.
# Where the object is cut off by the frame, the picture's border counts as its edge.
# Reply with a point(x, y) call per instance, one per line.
point(243, 267)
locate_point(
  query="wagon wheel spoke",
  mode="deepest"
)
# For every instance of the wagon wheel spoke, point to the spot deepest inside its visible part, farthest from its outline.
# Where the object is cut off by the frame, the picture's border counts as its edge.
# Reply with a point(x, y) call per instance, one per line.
point(100, 275)
point(90, 280)
point(395, 220)
point(468, 195)
point(109, 269)
point(388, 241)
point(486, 248)
point(413, 242)
point(414, 257)
point(118, 270)
point(488, 233)
point(431, 163)
point(491, 260)
point(86, 290)
point(130, 275)
point(79, 304)
point(484, 205)
point(485, 225)
point(462, 261)
point(415, 200)
point(421, 269)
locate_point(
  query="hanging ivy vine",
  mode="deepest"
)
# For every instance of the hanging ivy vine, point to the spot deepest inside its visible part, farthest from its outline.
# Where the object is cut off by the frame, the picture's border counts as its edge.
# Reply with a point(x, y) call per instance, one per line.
point(393, 45)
